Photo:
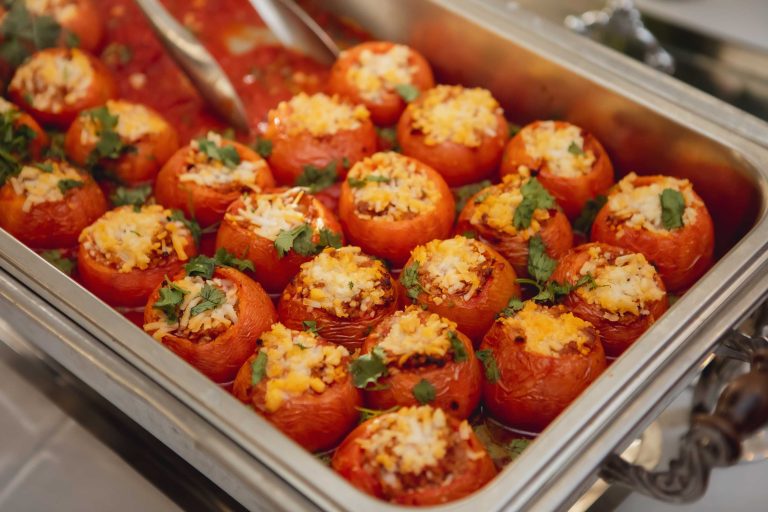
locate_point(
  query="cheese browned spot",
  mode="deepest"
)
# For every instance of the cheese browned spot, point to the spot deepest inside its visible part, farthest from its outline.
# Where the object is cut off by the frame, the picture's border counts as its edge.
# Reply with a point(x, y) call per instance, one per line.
point(269, 214)
point(376, 73)
point(562, 149)
point(319, 115)
point(547, 331)
point(53, 80)
point(495, 206)
point(639, 207)
point(37, 186)
point(130, 239)
point(623, 284)
point(298, 364)
point(203, 170)
point(457, 266)
point(345, 282)
point(61, 10)
point(451, 113)
point(391, 187)
point(134, 122)
point(415, 332)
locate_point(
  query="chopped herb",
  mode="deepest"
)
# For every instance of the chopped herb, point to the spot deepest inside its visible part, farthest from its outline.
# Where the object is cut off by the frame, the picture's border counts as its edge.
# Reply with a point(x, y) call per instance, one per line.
point(489, 363)
point(191, 225)
point(513, 306)
point(516, 446)
point(14, 145)
point(212, 297)
point(171, 297)
point(368, 368)
point(55, 151)
point(462, 194)
point(67, 185)
point(514, 129)
point(57, 259)
point(469, 234)
point(424, 392)
point(117, 53)
point(317, 178)
point(583, 223)
point(258, 368)
point(345, 163)
point(552, 291)
point(136, 197)
point(22, 33)
point(351, 285)
point(407, 91)
point(311, 326)
point(263, 147)
point(110, 145)
point(329, 238)
point(366, 414)
point(225, 154)
point(535, 196)
point(409, 278)
point(359, 183)
point(300, 240)
point(540, 265)
point(459, 352)
point(201, 265)
point(575, 149)
point(224, 258)
point(672, 208)
point(44, 166)
point(389, 136)
point(72, 40)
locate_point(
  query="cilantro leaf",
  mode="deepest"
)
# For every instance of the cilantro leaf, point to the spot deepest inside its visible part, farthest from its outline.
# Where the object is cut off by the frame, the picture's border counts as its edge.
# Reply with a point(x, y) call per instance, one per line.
point(224, 258)
point(540, 265)
point(225, 154)
point(44, 166)
point(55, 151)
point(57, 259)
point(366, 414)
point(171, 297)
point(212, 297)
point(459, 352)
point(535, 196)
point(373, 178)
point(672, 208)
point(513, 129)
point(513, 306)
point(317, 178)
point(311, 326)
point(489, 363)
point(552, 291)
point(14, 145)
point(23, 33)
point(469, 234)
point(263, 147)
point(368, 368)
point(408, 92)
point(200, 265)
point(516, 446)
point(110, 145)
point(329, 238)
point(258, 368)
point(67, 185)
point(424, 392)
point(190, 224)
point(575, 149)
point(583, 223)
point(136, 197)
point(462, 194)
point(409, 278)
point(389, 136)
point(300, 240)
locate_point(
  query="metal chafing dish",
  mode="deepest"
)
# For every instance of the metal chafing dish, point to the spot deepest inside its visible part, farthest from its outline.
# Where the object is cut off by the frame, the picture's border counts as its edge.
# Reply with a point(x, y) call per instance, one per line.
point(648, 123)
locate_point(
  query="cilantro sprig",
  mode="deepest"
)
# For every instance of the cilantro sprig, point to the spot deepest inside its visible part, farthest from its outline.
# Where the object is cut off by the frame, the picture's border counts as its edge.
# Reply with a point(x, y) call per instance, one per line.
point(583, 223)
point(66, 185)
point(366, 414)
point(190, 224)
point(57, 259)
point(424, 392)
point(575, 149)
point(672, 208)
point(459, 352)
point(311, 327)
point(489, 364)
point(317, 178)
point(299, 239)
point(22, 33)
point(367, 369)
point(14, 145)
point(409, 278)
point(135, 197)
point(171, 297)
point(372, 178)
point(109, 146)
point(552, 291)
point(540, 265)
point(204, 266)
point(225, 153)
point(462, 194)
point(535, 196)
point(258, 368)
point(212, 297)
point(263, 147)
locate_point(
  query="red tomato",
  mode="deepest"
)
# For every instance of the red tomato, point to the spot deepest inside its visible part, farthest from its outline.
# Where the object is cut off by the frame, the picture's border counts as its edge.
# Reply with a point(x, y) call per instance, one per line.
point(84, 22)
point(20, 119)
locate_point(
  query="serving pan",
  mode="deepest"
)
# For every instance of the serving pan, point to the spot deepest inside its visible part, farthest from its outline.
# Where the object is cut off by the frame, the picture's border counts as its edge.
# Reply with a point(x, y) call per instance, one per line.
point(648, 123)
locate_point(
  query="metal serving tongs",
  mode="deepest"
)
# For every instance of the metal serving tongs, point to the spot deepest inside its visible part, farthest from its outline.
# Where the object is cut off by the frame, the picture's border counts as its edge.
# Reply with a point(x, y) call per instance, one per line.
point(288, 22)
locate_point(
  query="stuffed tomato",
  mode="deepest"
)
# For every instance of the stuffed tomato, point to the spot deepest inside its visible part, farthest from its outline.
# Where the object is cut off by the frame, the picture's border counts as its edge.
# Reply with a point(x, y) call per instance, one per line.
point(54, 85)
point(382, 76)
point(82, 25)
point(425, 360)
point(537, 361)
point(414, 456)
point(47, 204)
point(621, 294)
point(127, 252)
point(278, 232)
point(343, 293)
point(130, 141)
point(391, 203)
point(23, 138)
point(510, 215)
point(317, 137)
point(211, 317)
point(301, 384)
point(203, 178)
point(461, 279)
point(665, 220)
point(567, 160)
point(459, 132)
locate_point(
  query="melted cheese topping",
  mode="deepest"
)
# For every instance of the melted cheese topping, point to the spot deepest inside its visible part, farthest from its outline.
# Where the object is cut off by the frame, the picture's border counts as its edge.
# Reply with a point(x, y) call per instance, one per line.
point(562, 149)
point(393, 188)
point(129, 239)
point(373, 73)
point(269, 214)
point(343, 281)
point(640, 207)
point(623, 284)
point(209, 172)
point(548, 331)
point(415, 332)
point(451, 113)
point(38, 186)
point(61, 10)
point(319, 115)
point(452, 267)
point(206, 325)
point(134, 122)
point(53, 80)
point(495, 206)
point(297, 364)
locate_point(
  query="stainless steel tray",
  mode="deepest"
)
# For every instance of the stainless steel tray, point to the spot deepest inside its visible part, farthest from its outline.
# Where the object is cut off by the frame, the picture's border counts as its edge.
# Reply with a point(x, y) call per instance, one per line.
point(648, 123)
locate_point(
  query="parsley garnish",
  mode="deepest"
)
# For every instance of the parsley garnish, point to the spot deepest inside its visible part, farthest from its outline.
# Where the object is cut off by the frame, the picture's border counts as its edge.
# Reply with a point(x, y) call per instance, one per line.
point(22, 33)
point(191, 225)
point(366, 414)
point(171, 297)
point(459, 352)
point(373, 178)
point(258, 368)
point(583, 223)
point(204, 266)
point(424, 392)
point(575, 149)
point(329, 238)
point(44, 166)
point(317, 178)
point(56, 149)
point(540, 265)
point(410, 279)
point(110, 145)
point(469, 234)
point(225, 154)
point(513, 306)
point(14, 145)
point(368, 368)
point(67, 185)
point(212, 297)
point(300, 240)
point(224, 258)
point(672, 208)
point(407, 91)
point(136, 197)
point(552, 291)
point(311, 326)
point(263, 147)
point(489, 363)
point(535, 196)
point(462, 194)
point(57, 259)
point(516, 446)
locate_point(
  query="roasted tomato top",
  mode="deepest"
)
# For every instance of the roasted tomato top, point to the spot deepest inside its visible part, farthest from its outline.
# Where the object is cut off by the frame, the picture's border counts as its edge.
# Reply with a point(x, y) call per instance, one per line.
point(415, 456)
point(460, 132)
point(300, 382)
point(345, 292)
point(425, 360)
point(462, 279)
point(317, 133)
point(381, 75)
point(566, 159)
point(391, 203)
point(278, 232)
point(54, 85)
point(78, 18)
point(508, 215)
point(621, 294)
point(663, 218)
point(22, 137)
point(537, 361)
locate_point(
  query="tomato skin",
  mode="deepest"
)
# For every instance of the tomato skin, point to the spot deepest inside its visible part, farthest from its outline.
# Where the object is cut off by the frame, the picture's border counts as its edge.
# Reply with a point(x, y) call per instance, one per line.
point(533, 389)
point(87, 25)
point(393, 240)
point(616, 335)
point(271, 271)
point(134, 168)
point(571, 193)
point(221, 358)
point(206, 205)
point(318, 422)
point(387, 110)
point(101, 89)
point(52, 225)
point(680, 256)
point(349, 460)
point(457, 384)
point(126, 289)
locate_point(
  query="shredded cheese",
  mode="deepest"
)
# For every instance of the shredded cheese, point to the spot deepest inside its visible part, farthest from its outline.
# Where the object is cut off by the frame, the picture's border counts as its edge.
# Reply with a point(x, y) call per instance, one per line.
point(54, 79)
point(269, 214)
point(134, 122)
point(38, 186)
point(547, 331)
point(374, 73)
point(415, 332)
point(457, 266)
point(561, 149)
point(451, 113)
point(319, 115)
point(61, 10)
point(209, 172)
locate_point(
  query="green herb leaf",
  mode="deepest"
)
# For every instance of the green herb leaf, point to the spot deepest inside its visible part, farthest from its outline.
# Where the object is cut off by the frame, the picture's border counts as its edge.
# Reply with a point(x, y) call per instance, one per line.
point(368, 368)
point(14, 144)
point(72, 40)
point(535, 196)
point(462, 194)
point(110, 145)
point(263, 147)
point(225, 153)
point(171, 297)
point(469, 234)
point(540, 265)
point(55, 151)
point(200, 265)
point(516, 446)
point(366, 414)
point(317, 178)
point(359, 183)
point(424, 392)
point(552, 291)
point(224, 258)
point(57, 259)
point(116, 53)
point(311, 326)
point(67, 185)
point(409, 278)
point(23, 33)
point(300, 240)
point(513, 306)
point(489, 363)
point(389, 136)
point(407, 91)
point(672, 208)
point(459, 352)
point(583, 223)
point(136, 197)
point(575, 149)
point(212, 297)
point(191, 225)
point(514, 129)
point(329, 238)
point(258, 368)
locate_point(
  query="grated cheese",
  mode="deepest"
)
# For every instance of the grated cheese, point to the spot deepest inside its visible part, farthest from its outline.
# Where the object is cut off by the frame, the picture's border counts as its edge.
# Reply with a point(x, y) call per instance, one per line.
point(415, 332)
point(38, 186)
point(407, 191)
point(53, 79)
point(457, 266)
point(208, 172)
point(269, 214)
point(555, 147)
point(319, 115)
point(134, 122)
point(131, 239)
point(374, 74)
point(547, 331)
point(61, 10)
point(451, 113)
